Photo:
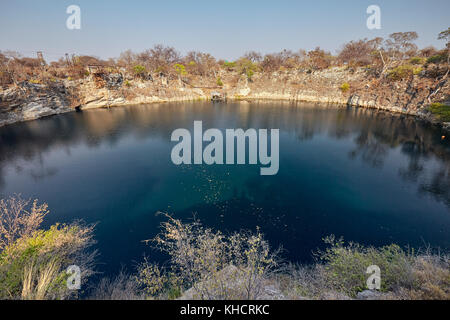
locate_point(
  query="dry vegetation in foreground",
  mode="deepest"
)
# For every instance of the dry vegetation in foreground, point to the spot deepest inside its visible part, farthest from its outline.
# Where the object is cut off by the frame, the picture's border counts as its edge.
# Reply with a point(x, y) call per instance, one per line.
point(33, 261)
point(205, 264)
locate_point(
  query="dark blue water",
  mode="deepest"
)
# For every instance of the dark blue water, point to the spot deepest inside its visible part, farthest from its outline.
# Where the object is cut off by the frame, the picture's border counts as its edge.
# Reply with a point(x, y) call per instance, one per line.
point(368, 176)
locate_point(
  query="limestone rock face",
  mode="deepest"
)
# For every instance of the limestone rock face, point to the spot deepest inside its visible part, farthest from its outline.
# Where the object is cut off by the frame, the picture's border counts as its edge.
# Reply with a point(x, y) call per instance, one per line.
point(31, 101)
point(35, 110)
point(244, 91)
point(412, 96)
point(234, 284)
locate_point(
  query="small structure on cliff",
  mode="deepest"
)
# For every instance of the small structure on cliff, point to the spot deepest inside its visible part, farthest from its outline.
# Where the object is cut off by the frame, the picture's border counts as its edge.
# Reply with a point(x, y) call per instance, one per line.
point(105, 77)
point(93, 69)
point(217, 96)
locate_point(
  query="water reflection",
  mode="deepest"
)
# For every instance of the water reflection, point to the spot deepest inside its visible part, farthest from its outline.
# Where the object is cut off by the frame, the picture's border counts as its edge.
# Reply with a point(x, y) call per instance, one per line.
point(369, 176)
point(373, 134)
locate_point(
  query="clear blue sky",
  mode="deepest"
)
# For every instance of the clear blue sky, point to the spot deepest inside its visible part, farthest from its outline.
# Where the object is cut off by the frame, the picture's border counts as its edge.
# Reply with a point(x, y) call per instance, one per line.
point(226, 29)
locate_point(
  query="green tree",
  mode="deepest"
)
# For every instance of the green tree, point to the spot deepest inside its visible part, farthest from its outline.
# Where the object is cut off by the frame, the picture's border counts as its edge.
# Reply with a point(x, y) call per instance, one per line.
point(139, 70)
point(33, 261)
point(247, 67)
point(180, 69)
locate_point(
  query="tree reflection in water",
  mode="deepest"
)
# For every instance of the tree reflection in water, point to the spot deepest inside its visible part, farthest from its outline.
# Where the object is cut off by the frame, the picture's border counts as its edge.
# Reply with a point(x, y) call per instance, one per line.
point(374, 134)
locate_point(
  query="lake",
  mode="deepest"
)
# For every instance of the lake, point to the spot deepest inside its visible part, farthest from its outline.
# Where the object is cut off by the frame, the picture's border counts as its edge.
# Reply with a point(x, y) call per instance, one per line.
point(369, 176)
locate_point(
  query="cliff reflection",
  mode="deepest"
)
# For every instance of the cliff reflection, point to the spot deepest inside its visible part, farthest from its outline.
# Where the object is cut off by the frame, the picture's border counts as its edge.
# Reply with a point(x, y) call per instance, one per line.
point(373, 134)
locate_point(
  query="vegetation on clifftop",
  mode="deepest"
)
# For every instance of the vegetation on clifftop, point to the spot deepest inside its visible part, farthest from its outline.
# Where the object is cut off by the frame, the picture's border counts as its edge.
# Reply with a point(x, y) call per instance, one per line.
point(441, 111)
point(379, 56)
point(392, 74)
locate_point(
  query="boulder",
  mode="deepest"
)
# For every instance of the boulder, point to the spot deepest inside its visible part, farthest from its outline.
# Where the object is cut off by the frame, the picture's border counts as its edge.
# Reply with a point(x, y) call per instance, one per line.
point(370, 295)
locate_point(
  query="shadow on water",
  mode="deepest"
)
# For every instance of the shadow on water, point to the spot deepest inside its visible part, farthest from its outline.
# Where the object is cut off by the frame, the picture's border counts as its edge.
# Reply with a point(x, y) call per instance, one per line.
point(368, 175)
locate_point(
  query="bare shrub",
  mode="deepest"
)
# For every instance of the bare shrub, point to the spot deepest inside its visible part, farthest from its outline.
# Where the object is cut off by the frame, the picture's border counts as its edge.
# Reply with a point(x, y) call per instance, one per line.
point(202, 64)
point(19, 218)
point(345, 265)
point(271, 63)
point(159, 58)
point(357, 53)
point(341, 275)
point(303, 282)
point(400, 44)
point(285, 59)
point(213, 265)
point(318, 59)
point(428, 51)
point(431, 274)
point(253, 56)
point(122, 287)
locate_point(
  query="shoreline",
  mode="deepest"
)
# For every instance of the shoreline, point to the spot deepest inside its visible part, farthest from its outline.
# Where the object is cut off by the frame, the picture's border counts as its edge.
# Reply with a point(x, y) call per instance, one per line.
point(396, 111)
point(30, 101)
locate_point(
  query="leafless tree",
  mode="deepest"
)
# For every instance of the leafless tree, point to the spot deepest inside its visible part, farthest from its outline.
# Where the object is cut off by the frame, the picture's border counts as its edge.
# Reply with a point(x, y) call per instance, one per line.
point(12, 70)
point(428, 51)
point(160, 58)
point(253, 56)
point(85, 61)
point(271, 63)
point(400, 44)
point(200, 63)
point(445, 35)
point(319, 59)
point(357, 53)
point(285, 58)
point(127, 59)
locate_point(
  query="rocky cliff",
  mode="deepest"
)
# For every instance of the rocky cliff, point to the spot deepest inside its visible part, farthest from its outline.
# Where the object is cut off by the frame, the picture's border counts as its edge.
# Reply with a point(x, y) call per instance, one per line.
point(413, 95)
